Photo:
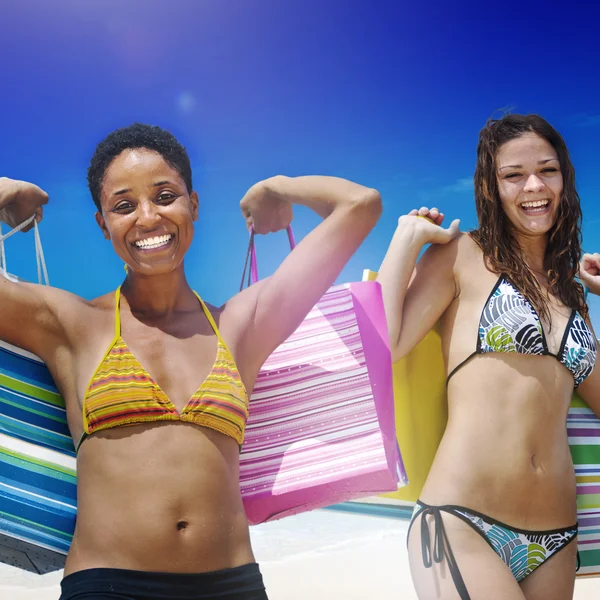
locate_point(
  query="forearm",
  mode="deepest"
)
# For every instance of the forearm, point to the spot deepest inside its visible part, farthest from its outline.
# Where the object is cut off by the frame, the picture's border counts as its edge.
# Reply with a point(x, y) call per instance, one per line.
point(593, 288)
point(324, 194)
point(396, 271)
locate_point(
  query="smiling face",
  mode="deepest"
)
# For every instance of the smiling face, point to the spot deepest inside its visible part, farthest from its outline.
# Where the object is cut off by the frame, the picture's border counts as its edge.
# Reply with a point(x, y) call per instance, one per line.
point(147, 212)
point(530, 183)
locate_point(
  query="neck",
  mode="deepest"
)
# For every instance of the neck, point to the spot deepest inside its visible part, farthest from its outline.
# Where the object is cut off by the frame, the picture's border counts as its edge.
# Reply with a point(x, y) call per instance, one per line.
point(158, 295)
point(533, 249)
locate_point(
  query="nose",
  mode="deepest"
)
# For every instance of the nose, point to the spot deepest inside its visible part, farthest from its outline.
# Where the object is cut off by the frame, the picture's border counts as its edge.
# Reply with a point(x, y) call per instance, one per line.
point(148, 216)
point(533, 184)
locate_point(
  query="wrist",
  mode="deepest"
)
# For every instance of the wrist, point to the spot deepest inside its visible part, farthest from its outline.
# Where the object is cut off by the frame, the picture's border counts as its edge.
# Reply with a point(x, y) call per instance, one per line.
point(275, 184)
point(9, 189)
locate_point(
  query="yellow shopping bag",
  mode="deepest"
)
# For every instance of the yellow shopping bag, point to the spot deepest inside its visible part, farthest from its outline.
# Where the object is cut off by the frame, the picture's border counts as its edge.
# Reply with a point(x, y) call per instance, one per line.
point(421, 409)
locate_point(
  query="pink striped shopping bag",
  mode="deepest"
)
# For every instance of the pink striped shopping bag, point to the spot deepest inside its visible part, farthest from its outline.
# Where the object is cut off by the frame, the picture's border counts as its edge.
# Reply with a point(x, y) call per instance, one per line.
point(321, 428)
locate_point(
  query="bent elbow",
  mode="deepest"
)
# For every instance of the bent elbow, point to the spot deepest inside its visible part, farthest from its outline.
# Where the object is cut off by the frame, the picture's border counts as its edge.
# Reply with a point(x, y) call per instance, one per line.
point(370, 203)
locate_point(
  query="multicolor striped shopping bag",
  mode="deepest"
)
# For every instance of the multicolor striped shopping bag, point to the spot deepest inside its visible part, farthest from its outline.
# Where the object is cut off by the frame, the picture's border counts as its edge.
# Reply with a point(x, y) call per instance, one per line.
point(37, 466)
point(583, 427)
point(37, 458)
point(321, 428)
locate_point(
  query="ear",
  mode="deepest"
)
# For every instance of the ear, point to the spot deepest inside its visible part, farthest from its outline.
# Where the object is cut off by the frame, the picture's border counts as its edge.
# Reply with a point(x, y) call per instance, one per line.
point(102, 224)
point(194, 202)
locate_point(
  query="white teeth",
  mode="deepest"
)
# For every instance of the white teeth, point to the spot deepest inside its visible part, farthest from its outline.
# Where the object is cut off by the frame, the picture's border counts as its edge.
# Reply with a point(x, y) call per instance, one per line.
point(538, 204)
point(153, 242)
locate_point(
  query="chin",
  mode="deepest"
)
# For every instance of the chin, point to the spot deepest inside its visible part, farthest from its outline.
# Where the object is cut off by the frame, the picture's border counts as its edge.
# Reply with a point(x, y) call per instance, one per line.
point(150, 270)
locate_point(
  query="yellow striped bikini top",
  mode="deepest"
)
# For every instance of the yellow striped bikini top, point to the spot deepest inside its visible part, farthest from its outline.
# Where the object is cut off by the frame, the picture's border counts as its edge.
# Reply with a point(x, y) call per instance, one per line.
point(121, 392)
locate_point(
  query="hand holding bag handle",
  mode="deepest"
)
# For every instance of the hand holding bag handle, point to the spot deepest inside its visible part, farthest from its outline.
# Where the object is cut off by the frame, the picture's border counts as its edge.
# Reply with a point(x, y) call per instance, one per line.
point(39, 251)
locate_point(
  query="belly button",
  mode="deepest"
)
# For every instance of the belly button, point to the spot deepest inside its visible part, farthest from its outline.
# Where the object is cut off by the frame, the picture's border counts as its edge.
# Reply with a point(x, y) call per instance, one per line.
point(535, 465)
point(181, 525)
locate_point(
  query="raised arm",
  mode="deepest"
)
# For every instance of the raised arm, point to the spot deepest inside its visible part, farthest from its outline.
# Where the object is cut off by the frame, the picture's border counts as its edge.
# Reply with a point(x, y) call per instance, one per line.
point(280, 302)
point(415, 294)
point(589, 271)
point(27, 316)
point(589, 390)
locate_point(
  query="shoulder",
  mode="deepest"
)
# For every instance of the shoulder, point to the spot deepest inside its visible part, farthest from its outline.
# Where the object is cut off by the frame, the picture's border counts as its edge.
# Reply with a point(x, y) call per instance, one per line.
point(79, 316)
point(468, 252)
point(452, 254)
point(58, 301)
point(243, 304)
point(237, 313)
point(102, 302)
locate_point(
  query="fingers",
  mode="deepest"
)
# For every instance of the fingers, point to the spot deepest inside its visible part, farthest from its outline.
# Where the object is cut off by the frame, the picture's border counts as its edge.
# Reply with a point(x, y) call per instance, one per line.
point(590, 266)
point(433, 214)
point(454, 229)
point(245, 211)
point(591, 259)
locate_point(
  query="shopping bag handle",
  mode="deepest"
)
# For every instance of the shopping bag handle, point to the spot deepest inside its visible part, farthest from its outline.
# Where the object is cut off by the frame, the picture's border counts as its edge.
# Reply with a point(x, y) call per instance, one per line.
point(251, 257)
point(42, 271)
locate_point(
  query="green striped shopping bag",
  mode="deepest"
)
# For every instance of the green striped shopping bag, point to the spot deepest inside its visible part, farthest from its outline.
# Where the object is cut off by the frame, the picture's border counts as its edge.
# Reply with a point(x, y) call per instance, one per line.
point(583, 427)
point(37, 458)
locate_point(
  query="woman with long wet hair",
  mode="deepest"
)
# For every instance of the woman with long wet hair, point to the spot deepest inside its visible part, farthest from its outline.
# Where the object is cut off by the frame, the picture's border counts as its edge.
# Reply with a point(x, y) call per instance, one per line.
point(497, 515)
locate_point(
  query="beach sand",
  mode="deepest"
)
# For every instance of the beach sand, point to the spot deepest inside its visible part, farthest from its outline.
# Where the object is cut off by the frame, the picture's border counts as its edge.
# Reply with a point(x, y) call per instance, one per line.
point(321, 555)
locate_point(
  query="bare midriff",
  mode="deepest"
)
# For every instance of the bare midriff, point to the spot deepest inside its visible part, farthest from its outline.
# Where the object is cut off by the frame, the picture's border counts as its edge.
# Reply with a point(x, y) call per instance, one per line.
point(505, 450)
point(159, 497)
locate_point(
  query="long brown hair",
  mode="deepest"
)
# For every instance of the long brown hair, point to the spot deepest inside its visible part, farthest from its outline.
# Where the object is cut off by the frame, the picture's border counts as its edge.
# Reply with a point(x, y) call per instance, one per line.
point(495, 235)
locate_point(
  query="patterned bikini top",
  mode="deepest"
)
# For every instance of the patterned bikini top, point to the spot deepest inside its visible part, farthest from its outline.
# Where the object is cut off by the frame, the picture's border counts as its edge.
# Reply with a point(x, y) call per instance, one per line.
point(509, 323)
point(121, 392)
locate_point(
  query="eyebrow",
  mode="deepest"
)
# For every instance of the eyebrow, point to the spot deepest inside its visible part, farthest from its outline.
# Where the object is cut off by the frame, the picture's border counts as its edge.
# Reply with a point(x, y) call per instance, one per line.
point(157, 184)
point(540, 162)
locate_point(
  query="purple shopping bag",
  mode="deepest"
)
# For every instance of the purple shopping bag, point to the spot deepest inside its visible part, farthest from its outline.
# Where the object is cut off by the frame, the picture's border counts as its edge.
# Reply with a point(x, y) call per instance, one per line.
point(321, 428)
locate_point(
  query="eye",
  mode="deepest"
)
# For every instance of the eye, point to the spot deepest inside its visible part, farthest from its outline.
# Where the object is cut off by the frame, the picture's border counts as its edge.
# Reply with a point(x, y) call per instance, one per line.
point(123, 207)
point(550, 170)
point(166, 197)
point(512, 175)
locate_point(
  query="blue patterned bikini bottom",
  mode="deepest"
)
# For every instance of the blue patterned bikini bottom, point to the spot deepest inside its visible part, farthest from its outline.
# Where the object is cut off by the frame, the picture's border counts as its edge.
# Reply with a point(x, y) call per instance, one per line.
point(522, 551)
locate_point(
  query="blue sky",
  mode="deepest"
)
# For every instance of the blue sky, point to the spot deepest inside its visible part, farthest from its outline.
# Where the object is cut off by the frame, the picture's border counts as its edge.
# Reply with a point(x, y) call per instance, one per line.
point(391, 95)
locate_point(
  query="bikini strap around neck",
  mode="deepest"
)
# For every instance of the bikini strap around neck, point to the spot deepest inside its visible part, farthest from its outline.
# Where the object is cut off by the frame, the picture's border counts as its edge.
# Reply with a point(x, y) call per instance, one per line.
point(117, 312)
point(210, 318)
point(204, 308)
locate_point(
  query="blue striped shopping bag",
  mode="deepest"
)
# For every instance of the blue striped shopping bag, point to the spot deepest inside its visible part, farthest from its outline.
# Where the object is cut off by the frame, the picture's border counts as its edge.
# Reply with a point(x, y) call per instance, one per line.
point(37, 458)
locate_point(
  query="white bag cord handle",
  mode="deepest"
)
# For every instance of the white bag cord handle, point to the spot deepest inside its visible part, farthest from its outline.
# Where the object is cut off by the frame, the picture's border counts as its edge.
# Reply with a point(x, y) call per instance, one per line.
point(2, 255)
point(39, 251)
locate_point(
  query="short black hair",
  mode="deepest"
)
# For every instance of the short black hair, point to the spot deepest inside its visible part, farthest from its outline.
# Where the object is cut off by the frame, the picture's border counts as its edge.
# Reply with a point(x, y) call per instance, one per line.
point(137, 135)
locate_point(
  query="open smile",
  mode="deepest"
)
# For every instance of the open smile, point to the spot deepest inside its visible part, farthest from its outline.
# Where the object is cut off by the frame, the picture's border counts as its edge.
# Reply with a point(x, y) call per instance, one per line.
point(538, 207)
point(158, 242)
